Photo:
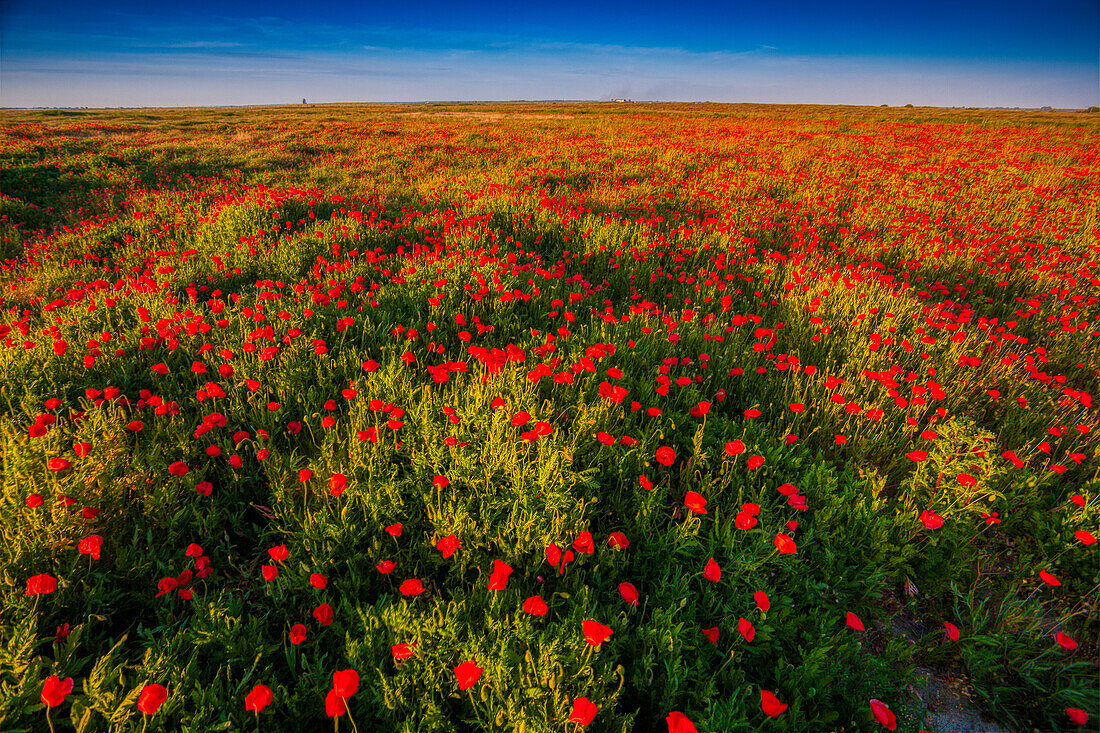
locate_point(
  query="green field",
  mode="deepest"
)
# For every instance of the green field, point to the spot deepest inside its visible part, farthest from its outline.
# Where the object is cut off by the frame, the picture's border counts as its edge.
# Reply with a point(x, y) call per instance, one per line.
point(549, 418)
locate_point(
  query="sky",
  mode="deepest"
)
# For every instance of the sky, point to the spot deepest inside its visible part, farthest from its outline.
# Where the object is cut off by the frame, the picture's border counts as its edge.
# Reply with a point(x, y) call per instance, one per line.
point(978, 53)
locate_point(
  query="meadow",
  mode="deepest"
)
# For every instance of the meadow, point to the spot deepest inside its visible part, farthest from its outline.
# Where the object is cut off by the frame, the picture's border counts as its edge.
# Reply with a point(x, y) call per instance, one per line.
point(559, 417)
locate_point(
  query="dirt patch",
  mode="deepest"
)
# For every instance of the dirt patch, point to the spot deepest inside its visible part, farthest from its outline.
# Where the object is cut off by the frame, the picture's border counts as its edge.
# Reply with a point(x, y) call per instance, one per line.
point(950, 709)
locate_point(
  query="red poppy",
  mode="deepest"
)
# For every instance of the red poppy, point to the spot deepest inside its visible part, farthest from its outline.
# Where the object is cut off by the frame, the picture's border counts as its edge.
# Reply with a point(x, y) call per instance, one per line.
point(917, 456)
point(1066, 642)
point(412, 587)
point(54, 690)
point(754, 462)
point(1077, 716)
point(930, 519)
point(535, 606)
point(447, 545)
point(797, 407)
point(270, 572)
point(1049, 579)
point(260, 697)
point(629, 593)
point(735, 448)
point(467, 674)
point(91, 545)
point(345, 682)
point(785, 544)
point(747, 630)
point(43, 583)
point(711, 634)
point(297, 634)
point(853, 622)
point(618, 541)
point(695, 502)
point(770, 704)
point(179, 468)
point(58, 464)
point(323, 614)
point(386, 567)
point(952, 630)
point(441, 482)
point(665, 456)
point(1085, 537)
point(761, 599)
point(337, 484)
point(583, 711)
point(645, 483)
point(883, 715)
point(402, 652)
point(584, 543)
point(712, 571)
point(334, 705)
point(318, 581)
point(498, 579)
point(595, 633)
point(278, 553)
point(679, 723)
point(152, 697)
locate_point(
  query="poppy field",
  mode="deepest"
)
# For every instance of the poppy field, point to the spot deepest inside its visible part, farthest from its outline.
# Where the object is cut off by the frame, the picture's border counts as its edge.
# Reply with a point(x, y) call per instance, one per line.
point(562, 417)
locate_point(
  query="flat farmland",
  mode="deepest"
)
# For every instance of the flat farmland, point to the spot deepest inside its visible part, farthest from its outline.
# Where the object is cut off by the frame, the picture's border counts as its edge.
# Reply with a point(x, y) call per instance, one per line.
point(549, 417)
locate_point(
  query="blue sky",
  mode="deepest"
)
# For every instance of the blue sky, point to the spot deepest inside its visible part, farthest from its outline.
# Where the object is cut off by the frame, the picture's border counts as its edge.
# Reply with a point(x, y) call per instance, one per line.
point(981, 53)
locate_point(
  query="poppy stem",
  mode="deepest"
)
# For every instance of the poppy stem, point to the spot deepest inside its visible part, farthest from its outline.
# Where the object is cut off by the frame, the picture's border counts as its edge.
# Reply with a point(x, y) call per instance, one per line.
point(144, 722)
point(48, 721)
point(348, 709)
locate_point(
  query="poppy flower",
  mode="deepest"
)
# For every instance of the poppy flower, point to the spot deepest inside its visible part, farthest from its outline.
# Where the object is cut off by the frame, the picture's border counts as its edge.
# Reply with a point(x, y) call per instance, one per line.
point(679, 723)
point(91, 545)
point(734, 448)
point(412, 587)
point(712, 571)
point(930, 519)
point(1066, 642)
point(297, 634)
point(596, 633)
point(917, 456)
point(695, 502)
point(467, 674)
point(337, 484)
point(618, 541)
point(952, 630)
point(318, 581)
point(584, 543)
point(441, 482)
point(583, 711)
point(1077, 716)
point(278, 553)
point(645, 483)
point(260, 697)
point(323, 614)
point(761, 599)
point(747, 630)
point(744, 520)
point(853, 622)
point(629, 593)
point(770, 704)
point(883, 715)
point(1084, 537)
point(386, 567)
point(754, 462)
point(711, 634)
point(270, 572)
point(334, 705)
point(665, 456)
point(152, 697)
point(54, 690)
point(43, 583)
point(535, 606)
point(447, 545)
point(402, 652)
point(179, 468)
point(498, 579)
point(785, 544)
point(345, 682)
point(1049, 579)
point(58, 464)
point(797, 407)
